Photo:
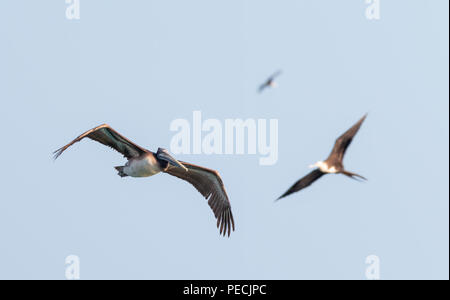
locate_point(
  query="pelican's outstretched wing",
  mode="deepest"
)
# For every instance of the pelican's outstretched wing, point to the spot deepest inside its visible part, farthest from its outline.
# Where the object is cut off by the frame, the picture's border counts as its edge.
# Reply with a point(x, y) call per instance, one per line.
point(109, 137)
point(342, 143)
point(210, 185)
point(304, 182)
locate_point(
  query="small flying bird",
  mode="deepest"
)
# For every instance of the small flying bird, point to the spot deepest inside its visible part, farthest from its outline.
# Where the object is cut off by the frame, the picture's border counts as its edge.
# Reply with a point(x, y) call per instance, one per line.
point(270, 82)
point(144, 163)
point(332, 165)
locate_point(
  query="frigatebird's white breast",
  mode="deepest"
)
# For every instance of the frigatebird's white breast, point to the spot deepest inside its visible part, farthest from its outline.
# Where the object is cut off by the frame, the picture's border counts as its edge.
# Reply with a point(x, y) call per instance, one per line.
point(333, 164)
point(144, 163)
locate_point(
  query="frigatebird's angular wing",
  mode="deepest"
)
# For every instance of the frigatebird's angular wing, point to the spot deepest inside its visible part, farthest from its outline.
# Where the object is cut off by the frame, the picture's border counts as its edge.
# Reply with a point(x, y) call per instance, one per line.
point(342, 143)
point(304, 182)
point(109, 137)
point(210, 185)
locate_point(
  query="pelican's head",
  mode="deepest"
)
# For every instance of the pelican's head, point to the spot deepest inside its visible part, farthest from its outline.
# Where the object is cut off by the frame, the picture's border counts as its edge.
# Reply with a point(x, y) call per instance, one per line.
point(165, 155)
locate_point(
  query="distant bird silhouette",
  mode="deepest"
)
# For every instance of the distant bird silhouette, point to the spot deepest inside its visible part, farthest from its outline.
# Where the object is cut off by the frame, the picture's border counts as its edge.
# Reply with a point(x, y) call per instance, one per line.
point(144, 163)
point(333, 164)
point(270, 82)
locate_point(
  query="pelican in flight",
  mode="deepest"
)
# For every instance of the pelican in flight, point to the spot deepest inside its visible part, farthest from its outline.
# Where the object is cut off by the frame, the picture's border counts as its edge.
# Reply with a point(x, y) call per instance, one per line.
point(144, 163)
point(270, 82)
point(333, 164)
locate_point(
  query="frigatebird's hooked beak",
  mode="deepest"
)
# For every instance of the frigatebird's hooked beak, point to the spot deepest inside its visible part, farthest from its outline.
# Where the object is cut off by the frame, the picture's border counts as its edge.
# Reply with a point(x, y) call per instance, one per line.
point(164, 155)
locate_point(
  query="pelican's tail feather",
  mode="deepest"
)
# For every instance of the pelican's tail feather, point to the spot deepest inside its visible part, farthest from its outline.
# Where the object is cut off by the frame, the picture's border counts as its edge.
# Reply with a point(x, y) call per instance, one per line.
point(121, 172)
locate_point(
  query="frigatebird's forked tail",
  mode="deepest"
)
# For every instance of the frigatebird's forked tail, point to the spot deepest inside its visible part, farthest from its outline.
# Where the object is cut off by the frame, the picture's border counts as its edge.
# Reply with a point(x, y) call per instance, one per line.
point(353, 175)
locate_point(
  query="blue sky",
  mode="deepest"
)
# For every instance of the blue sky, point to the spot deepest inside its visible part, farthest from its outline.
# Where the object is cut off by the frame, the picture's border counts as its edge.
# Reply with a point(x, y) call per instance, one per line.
point(139, 65)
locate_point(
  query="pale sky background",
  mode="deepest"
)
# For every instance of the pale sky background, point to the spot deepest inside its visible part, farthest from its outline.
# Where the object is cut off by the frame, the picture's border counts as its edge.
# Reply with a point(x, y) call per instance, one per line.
point(138, 65)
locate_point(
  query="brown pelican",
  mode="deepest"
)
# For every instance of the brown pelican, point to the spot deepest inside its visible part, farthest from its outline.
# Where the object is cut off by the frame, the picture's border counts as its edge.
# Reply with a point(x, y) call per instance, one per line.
point(144, 163)
point(270, 82)
point(333, 164)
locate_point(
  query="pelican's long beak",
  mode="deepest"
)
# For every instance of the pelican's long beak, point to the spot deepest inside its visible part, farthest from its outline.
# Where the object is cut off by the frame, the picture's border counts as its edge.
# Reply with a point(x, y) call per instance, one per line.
point(164, 155)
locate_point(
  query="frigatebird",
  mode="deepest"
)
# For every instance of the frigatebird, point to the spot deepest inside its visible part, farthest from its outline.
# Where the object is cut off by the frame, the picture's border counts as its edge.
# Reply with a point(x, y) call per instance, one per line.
point(144, 163)
point(333, 164)
point(270, 82)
